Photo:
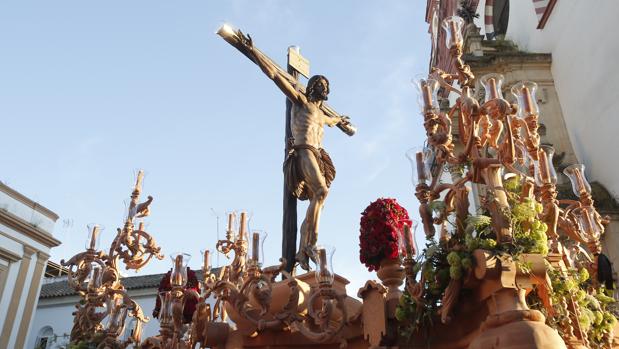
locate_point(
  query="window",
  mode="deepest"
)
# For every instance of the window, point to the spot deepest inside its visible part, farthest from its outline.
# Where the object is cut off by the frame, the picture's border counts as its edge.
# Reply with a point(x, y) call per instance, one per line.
point(44, 337)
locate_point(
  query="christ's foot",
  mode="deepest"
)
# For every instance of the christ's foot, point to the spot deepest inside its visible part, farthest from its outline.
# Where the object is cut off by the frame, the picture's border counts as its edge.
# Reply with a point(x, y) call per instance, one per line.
point(303, 260)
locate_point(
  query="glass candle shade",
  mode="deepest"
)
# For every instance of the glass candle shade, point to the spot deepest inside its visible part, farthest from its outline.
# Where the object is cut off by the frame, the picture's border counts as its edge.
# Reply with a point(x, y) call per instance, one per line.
point(165, 312)
point(117, 315)
point(257, 247)
point(453, 31)
point(544, 170)
point(585, 216)
point(206, 262)
point(138, 174)
point(576, 174)
point(243, 227)
point(232, 225)
point(407, 240)
point(525, 94)
point(94, 279)
point(421, 162)
point(427, 94)
point(492, 84)
point(178, 276)
point(94, 232)
point(523, 160)
point(324, 264)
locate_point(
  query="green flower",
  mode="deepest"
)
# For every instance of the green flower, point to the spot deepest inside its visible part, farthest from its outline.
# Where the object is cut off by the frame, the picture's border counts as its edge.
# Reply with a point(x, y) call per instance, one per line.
point(583, 275)
point(467, 263)
point(455, 272)
point(453, 258)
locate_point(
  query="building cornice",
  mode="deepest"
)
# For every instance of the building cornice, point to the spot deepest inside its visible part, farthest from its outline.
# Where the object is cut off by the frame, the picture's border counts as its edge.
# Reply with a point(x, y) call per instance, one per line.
point(8, 255)
point(30, 230)
point(24, 200)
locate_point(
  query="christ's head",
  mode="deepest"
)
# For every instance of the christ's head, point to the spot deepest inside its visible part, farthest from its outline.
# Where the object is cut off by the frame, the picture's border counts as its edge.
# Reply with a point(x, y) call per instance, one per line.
point(317, 88)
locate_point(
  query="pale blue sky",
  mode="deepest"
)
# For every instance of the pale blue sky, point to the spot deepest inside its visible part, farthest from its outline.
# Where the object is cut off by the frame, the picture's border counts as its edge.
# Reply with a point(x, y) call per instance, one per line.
point(90, 91)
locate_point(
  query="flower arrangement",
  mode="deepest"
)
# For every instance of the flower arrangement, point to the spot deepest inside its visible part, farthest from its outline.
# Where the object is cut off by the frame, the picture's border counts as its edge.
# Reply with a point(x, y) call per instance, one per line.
point(443, 261)
point(597, 309)
point(382, 223)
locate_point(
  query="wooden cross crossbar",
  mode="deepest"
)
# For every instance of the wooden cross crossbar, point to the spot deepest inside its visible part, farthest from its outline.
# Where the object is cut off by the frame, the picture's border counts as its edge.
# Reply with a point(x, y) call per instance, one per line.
point(237, 39)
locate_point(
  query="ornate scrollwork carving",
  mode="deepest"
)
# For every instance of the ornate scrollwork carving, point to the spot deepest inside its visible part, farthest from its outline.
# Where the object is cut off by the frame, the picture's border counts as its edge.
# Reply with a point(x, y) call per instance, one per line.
point(95, 275)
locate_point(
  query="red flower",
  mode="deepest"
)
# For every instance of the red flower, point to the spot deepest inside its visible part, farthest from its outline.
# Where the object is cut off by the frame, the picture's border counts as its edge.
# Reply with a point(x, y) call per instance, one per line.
point(382, 223)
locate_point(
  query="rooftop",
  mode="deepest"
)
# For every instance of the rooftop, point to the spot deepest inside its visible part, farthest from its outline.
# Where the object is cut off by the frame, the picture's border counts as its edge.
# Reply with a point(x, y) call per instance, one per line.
point(61, 288)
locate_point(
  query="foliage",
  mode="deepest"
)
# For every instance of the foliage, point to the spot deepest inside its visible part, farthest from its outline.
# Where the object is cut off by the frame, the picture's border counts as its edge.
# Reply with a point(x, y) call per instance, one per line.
point(435, 270)
point(382, 223)
point(595, 318)
point(528, 230)
point(443, 261)
point(440, 264)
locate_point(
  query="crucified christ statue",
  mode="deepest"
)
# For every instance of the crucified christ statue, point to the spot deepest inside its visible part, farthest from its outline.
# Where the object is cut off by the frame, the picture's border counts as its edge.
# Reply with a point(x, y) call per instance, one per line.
point(308, 169)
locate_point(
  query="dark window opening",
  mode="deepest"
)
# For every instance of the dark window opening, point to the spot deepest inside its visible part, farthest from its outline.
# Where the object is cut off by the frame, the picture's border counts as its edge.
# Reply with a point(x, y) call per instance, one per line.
point(501, 17)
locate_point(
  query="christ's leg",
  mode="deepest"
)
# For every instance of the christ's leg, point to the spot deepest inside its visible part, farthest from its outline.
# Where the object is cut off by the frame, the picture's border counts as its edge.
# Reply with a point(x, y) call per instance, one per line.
point(318, 190)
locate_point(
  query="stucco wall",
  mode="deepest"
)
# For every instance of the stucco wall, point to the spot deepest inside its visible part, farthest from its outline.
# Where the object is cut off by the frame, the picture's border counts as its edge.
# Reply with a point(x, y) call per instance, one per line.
point(56, 313)
point(584, 45)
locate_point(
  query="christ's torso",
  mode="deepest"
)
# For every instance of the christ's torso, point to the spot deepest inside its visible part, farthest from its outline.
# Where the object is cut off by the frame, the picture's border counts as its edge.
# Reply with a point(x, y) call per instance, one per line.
point(307, 122)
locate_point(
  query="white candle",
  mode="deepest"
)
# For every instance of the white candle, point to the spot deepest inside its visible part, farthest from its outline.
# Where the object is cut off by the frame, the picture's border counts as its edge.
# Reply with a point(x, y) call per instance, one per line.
point(207, 260)
point(322, 258)
point(409, 243)
point(255, 246)
point(243, 224)
point(93, 237)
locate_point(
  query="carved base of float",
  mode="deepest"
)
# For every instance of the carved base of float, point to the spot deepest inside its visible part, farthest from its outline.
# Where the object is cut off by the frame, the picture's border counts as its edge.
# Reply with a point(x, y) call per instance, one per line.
point(248, 335)
point(494, 314)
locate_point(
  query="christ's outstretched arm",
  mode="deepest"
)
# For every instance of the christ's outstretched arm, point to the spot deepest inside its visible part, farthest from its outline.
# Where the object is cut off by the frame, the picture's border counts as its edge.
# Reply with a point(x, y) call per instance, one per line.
point(270, 69)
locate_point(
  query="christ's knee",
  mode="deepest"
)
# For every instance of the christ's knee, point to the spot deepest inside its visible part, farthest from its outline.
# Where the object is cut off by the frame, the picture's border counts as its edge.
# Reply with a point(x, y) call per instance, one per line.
point(321, 194)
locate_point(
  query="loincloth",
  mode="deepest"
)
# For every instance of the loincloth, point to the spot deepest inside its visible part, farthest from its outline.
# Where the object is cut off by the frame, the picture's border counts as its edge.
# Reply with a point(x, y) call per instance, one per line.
point(293, 175)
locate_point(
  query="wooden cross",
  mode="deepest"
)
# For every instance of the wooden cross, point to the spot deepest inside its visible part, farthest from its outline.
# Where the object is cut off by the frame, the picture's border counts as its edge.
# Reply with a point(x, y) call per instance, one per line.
point(297, 64)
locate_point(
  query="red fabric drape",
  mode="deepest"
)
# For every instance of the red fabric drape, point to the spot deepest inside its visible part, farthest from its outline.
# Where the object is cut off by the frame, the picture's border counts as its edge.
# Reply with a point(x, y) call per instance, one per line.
point(190, 302)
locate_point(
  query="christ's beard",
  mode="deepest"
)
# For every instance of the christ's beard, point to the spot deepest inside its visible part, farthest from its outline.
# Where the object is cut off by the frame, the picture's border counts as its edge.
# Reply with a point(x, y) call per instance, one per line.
point(319, 96)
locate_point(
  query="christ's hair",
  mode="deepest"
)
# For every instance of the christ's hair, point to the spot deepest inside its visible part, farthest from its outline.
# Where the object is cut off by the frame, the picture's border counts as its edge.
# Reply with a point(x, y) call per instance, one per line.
point(312, 82)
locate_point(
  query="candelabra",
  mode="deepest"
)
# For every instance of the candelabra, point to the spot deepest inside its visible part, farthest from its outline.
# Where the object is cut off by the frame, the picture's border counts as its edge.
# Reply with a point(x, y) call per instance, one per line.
point(95, 275)
point(250, 296)
point(498, 140)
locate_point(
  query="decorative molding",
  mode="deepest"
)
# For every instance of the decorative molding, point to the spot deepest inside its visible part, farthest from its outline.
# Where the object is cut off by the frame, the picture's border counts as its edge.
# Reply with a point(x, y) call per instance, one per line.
point(4, 273)
point(11, 314)
point(42, 256)
point(30, 230)
point(24, 200)
point(31, 301)
point(29, 251)
point(9, 255)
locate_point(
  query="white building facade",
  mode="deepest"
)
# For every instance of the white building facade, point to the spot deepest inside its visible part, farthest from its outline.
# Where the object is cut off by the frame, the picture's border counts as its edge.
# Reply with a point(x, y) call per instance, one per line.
point(26, 239)
point(53, 319)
